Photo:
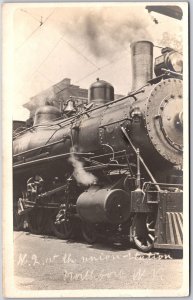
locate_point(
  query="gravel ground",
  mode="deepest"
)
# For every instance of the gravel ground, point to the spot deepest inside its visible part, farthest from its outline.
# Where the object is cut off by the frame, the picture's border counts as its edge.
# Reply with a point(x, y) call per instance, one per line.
point(47, 263)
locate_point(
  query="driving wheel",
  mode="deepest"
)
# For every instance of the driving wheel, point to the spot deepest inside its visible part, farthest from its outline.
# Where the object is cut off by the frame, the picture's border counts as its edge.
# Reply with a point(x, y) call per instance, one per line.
point(89, 232)
point(18, 220)
point(62, 230)
point(37, 221)
point(143, 231)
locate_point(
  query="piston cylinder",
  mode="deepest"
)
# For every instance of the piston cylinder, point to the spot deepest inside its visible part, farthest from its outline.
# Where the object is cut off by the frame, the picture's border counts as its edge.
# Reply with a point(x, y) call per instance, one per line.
point(104, 205)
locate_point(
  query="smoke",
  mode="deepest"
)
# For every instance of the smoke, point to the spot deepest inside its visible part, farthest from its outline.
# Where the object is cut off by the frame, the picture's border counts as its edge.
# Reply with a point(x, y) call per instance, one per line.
point(44, 97)
point(108, 30)
point(174, 41)
point(80, 174)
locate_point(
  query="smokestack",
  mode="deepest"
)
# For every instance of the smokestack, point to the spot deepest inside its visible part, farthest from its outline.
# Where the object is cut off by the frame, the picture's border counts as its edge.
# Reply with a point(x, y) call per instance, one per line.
point(142, 63)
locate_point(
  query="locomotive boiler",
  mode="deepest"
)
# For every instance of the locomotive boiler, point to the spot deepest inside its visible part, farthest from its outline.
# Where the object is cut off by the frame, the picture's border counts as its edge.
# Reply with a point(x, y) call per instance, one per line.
point(114, 168)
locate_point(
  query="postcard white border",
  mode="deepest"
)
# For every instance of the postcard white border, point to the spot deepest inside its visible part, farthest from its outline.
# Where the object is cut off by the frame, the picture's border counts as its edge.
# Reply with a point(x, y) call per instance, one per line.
point(8, 60)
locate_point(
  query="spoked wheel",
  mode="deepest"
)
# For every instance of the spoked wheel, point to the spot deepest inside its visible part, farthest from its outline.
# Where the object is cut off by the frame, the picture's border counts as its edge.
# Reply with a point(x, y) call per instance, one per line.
point(143, 231)
point(18, 220)
point(63, 230)
point(37, 221)
point(89, 232)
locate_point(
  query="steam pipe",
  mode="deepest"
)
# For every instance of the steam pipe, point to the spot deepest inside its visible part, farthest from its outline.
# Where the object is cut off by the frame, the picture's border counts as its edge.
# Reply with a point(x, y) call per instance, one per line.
point(138, 179)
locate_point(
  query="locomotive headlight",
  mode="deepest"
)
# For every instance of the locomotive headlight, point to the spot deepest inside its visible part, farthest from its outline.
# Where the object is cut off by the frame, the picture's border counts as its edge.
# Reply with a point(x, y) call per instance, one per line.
point(171, 61)
point(174, 62)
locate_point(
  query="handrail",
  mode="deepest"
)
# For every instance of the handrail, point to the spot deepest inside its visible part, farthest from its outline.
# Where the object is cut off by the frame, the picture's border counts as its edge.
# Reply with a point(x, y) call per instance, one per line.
point(141, 159)
point(75, 116)
point(50, 158)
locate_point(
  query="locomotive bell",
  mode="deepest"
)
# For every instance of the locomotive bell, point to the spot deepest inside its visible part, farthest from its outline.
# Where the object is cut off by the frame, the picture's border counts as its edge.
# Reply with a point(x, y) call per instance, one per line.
point(70, 109)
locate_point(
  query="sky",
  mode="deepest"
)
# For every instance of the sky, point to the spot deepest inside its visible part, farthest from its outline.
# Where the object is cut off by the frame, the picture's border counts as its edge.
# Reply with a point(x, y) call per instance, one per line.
point(82, 43)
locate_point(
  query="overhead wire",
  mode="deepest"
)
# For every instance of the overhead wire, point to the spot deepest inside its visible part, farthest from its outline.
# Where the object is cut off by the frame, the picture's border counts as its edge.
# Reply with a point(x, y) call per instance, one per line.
point(74, 48)
point(84, 77)
point(27, 12)
point(45, 76)
point(49, 15)
point(99, 69)
point(34, 31)
point(53, 48)
point(43, 61)
point(29, 36)
point(77, 51)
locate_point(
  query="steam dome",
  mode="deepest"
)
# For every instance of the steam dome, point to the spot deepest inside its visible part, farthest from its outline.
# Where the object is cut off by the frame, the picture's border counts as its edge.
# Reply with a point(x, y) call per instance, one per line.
point(101, 92)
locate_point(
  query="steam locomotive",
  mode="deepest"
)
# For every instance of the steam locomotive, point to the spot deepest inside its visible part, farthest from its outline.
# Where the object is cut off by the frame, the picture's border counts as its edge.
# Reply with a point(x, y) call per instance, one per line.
point(112, 170)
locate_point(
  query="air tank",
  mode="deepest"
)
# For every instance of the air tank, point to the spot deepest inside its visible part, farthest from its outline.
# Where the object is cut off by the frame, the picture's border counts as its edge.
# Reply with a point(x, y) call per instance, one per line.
point(103, 205)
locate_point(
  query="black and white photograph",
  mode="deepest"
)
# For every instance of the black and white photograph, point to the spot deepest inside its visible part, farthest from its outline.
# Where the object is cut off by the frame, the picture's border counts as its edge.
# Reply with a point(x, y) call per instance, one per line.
point(95, 151)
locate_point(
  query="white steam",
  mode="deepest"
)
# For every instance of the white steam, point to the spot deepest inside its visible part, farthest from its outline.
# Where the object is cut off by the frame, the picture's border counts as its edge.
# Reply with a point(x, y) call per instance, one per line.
point(45, 97)
point(80, 174)
point(173, 40)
